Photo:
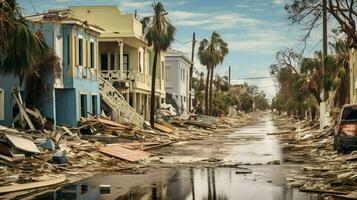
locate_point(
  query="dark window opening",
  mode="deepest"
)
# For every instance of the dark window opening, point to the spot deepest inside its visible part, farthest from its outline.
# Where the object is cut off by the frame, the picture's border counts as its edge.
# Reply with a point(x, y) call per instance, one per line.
point(103, 62)
point(83, 105)
point(92, 54)
point(80, 53)
point(94, 105)
point(140, 64)
point(126, 61)
point(68, 50)
point(112, 61)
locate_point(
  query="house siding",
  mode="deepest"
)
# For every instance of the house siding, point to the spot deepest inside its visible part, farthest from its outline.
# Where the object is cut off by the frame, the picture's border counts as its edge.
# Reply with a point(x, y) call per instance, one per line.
point(61, 103)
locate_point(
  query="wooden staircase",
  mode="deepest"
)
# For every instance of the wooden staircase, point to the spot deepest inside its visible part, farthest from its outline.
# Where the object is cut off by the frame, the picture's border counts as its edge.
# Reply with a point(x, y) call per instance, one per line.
point(116, 101)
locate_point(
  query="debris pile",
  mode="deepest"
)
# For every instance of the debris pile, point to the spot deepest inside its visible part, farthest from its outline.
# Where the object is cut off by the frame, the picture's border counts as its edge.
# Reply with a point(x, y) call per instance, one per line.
point(321, 169)
point(36, 156)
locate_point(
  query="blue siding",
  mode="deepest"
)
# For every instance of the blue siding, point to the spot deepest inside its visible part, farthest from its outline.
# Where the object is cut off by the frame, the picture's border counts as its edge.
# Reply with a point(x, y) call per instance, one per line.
point(6, 84)
point(62, 105)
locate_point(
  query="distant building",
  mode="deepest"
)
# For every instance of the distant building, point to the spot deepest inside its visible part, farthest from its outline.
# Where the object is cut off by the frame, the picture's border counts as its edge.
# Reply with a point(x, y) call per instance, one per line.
point(73, 90)
point(238, 89)
point(177, 78)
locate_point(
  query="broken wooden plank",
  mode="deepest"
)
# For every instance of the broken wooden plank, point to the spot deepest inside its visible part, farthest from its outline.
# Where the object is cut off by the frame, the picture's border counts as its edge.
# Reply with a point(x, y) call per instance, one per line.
point(121, 152)
point(323, 191)
point(33, 185)
point(163, 128)
point(22, 143)
point(111, 123)
point(22, 108)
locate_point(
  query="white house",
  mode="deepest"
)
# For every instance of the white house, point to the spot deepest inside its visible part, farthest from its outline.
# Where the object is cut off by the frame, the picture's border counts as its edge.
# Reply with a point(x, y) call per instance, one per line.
point(177, 75)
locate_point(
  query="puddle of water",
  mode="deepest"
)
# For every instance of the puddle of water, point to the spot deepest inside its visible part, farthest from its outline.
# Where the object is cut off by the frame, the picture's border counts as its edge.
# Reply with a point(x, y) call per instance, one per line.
point(254, 145)
point(182, 184)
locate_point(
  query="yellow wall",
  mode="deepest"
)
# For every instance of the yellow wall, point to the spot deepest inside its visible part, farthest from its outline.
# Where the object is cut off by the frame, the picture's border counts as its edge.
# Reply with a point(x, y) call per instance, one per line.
point(109, 18)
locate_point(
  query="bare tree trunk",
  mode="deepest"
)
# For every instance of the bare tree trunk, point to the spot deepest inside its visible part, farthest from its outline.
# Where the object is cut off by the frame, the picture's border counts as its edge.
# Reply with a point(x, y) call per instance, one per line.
point(153, 79)
point(210, 91)
point(206, 90)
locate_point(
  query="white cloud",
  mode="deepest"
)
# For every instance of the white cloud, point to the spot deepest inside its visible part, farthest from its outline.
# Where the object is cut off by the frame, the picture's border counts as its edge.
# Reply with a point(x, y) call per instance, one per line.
point(211, 21)
point(267, 42)
point(278, 2)
point(128, 4)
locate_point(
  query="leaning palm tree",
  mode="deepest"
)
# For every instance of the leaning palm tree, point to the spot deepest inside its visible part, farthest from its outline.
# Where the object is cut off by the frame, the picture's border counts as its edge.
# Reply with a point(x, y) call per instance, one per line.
point(211, 53)
point(159, 33)
point(14, 32)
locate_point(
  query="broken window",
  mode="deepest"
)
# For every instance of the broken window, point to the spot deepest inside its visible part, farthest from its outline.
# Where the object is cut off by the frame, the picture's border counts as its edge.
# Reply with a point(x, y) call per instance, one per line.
point(83, 105)
point(2, 105)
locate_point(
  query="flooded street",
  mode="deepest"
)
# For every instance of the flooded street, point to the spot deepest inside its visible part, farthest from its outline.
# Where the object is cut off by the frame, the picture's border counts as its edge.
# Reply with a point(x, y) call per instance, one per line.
point(259, 175)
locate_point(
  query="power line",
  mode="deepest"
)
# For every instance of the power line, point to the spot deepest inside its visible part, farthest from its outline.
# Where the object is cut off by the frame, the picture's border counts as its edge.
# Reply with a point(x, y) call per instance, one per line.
point(252, 78)
point(33, 7)
point(186, 42)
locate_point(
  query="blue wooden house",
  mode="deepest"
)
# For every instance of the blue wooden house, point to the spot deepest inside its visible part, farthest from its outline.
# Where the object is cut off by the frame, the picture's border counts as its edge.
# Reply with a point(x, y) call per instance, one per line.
point(73, 90)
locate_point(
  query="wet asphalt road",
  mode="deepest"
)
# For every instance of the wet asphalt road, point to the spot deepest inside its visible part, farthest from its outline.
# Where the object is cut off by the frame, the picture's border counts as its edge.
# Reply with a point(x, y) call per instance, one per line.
point(250, 147)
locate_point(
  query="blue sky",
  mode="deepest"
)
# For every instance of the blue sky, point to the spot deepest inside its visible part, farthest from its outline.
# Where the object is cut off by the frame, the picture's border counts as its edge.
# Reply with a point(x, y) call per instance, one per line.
point(254, 30)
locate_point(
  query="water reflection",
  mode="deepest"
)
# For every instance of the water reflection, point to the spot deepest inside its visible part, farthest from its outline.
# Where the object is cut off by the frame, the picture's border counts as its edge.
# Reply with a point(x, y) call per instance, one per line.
point(183, 184)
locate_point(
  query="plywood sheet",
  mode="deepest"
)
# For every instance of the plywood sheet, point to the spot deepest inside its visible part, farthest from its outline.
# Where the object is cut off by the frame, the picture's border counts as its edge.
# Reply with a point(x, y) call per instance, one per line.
point(163, 128)
point(22, 143)
point(121, 152)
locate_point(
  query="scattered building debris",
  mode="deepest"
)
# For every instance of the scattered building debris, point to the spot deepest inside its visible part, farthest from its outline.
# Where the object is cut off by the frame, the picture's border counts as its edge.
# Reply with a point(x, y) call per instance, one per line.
point(322, 170)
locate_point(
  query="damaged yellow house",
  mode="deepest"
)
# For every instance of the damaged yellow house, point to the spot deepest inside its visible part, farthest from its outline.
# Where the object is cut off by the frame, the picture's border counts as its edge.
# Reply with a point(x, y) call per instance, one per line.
point(125, 60)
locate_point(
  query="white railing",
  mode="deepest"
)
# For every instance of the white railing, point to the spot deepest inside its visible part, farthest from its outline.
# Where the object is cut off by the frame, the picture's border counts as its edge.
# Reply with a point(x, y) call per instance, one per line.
point(111, 75)
point(117, 102)
point(114, 75)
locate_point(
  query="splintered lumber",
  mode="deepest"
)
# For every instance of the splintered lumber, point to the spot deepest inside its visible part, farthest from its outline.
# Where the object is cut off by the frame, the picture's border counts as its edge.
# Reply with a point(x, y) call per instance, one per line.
point(17, 95)
point(33, 185)
point(323, 191)
point(121, 152)
point(163, 128)
point(112, 123)
point(22, 143)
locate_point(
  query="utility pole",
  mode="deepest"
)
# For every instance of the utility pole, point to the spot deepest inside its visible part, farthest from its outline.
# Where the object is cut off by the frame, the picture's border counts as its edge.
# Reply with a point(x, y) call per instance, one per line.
point(229, 76)
point(324, 94)
point(191, 70)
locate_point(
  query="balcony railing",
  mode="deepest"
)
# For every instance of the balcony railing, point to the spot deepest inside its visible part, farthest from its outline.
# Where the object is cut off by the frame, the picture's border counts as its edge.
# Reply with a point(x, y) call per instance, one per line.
point(114, 75)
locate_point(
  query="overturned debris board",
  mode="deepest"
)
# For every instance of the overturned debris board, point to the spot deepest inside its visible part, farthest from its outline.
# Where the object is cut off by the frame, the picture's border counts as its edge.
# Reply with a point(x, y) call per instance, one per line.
point(22, 143)
point(121, 152)
point(28, 186)
point(163, 128)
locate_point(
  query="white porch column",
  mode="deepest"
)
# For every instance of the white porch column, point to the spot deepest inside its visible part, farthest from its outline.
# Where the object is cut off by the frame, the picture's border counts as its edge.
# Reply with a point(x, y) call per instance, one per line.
point(140, 103)
point(127, 95)
point(121, 63)
point(134, 102)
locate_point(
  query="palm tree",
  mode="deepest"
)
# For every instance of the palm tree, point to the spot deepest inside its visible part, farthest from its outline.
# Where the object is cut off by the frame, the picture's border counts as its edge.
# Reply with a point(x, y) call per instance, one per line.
point(159, 33)
point(341, 82)
point(20, 48)
point(211, 53)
